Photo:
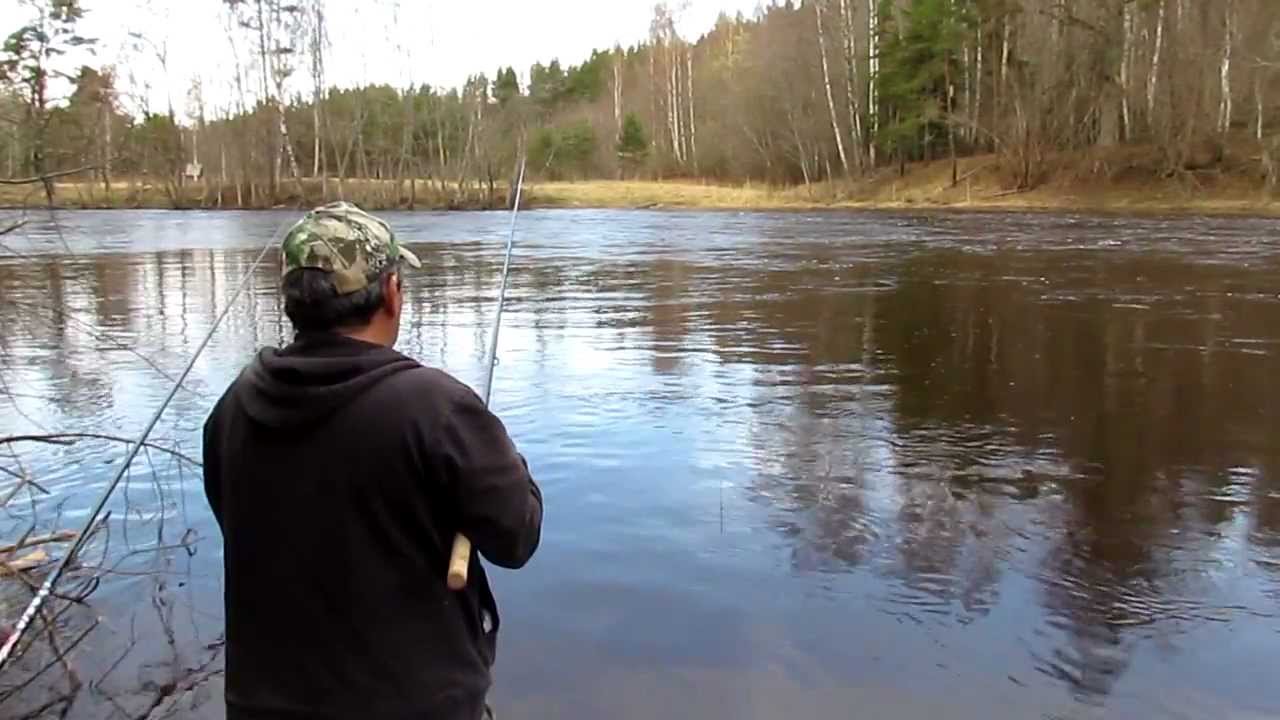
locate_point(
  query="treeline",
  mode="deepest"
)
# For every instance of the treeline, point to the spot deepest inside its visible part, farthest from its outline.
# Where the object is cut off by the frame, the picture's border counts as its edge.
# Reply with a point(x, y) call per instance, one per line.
point(802, 92)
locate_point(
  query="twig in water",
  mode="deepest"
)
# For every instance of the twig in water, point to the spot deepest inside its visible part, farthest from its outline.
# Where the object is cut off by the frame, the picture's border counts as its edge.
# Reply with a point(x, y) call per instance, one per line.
point(23, 481)
point(70, 438)
point(13, 228)
point(10, 692)
point(96, 685)
point(60, 536)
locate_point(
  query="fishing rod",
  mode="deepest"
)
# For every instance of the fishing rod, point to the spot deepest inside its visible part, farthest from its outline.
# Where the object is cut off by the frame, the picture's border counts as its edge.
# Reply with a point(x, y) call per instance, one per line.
point(46, 589)
point(460, 558)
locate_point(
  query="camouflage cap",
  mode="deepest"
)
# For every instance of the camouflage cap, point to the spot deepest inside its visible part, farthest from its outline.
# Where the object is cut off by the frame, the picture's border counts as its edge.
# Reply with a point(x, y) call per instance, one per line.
point(345, 240)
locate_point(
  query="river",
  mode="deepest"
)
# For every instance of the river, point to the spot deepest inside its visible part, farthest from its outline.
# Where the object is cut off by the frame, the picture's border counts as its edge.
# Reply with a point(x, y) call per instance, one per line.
point(796, 465)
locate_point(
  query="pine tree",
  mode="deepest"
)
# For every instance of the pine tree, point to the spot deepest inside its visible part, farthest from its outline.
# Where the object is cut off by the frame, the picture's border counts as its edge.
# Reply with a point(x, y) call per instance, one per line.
point(506, 86)
point(633, 146)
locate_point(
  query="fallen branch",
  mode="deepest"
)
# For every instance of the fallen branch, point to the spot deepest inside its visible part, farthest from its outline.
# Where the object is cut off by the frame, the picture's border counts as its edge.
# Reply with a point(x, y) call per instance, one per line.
point(1007, 193)
point(30, 561)
point(60, 536)
point(12, 228)
point(46, 176)
point(70, 438)
point(972, 172)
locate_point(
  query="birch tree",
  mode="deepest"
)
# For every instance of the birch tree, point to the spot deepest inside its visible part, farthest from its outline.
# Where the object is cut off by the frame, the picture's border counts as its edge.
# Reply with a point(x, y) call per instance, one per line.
point(826, 82)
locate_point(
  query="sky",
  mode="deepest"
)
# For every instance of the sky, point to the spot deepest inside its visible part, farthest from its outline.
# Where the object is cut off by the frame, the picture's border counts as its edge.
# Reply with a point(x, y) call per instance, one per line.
point(437, 42)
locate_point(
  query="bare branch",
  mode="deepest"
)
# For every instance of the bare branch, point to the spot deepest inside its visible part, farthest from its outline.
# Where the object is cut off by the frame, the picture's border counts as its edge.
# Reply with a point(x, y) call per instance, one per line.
point(11, 228)
point(70, 438)
point(61, 536)
point(46, 176)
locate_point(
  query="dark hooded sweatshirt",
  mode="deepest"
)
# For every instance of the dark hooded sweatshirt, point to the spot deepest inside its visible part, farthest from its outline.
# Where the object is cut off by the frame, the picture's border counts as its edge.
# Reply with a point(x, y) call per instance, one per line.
point(339, 472)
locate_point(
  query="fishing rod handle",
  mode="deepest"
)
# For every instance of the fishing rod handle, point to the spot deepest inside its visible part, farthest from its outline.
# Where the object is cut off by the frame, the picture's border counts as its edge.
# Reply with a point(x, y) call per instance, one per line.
point(459, 562)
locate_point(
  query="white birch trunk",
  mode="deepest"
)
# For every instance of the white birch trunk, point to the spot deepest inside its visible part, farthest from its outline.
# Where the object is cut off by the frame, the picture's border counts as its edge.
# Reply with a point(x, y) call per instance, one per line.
point(617, 93)
point(826, 82)
point(653, 97)
point(1126, 64)
point(222, 174)
point(677, 133)
point(873, 74)
point(688, 83)
point(1257, 94)
point(976, 119)
point(1224, 109)
point(284, 137)
point(1004, 59)
point(1154, 80)
point(851, 82)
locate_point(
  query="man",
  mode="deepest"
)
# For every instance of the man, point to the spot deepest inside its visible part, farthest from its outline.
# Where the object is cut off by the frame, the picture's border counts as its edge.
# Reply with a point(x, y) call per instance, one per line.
point(339, 471)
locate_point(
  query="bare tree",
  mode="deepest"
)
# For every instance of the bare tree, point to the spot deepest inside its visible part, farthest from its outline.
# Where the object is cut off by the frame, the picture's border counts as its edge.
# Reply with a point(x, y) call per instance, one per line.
point(826, 82)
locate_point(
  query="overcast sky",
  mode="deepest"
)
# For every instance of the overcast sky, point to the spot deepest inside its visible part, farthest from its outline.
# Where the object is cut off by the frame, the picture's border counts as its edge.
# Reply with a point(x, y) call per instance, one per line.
point(446, 40)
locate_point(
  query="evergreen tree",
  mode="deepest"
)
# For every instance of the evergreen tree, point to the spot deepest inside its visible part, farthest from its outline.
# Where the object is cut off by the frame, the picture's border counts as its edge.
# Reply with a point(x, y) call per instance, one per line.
point(506, 86)
point(28, 60)
point(633, 146)
point(919, 50)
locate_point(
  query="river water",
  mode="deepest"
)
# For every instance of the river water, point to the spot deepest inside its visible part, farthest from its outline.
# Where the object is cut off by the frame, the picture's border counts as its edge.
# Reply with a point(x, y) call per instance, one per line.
point(796, 465)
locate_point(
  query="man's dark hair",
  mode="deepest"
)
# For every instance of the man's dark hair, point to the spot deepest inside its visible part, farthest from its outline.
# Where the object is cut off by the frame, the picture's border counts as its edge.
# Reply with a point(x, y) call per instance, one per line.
point(313, 303)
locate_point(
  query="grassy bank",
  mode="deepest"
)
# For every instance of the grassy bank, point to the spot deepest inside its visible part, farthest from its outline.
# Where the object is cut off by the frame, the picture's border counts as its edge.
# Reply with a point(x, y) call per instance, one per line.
point(1121, 182)
point(1073, 184)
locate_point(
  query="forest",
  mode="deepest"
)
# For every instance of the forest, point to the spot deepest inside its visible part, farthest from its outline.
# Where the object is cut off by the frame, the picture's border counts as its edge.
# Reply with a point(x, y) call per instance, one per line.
point(802, 92)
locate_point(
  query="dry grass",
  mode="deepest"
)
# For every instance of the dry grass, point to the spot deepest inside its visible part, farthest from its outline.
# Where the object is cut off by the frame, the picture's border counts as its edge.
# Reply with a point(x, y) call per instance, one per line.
point(647, 194)
point(1123, 180)
point(145, 193)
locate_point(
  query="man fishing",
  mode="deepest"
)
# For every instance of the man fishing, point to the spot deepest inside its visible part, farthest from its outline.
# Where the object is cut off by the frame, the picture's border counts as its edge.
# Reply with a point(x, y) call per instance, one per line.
point(339, 471)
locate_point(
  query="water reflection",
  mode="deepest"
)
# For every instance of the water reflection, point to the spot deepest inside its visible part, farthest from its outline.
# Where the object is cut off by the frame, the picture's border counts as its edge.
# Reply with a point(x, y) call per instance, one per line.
point(1051, 438)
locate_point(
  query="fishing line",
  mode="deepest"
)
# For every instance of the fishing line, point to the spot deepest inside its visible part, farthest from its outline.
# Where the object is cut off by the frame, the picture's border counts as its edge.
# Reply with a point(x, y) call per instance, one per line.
point(460, 557)
point(46, 589)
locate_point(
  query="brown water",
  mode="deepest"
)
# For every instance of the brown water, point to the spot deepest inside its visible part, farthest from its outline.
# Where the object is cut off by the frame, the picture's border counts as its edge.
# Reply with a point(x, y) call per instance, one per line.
point(796, 466)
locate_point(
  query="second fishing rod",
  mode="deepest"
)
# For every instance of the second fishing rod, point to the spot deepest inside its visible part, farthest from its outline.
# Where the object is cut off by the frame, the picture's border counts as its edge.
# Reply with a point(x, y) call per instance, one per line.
point(460, 557)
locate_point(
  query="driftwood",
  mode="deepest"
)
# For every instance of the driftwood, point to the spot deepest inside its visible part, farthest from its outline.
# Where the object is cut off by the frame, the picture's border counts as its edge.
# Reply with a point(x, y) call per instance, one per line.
point(60, 536)
point(31, 560)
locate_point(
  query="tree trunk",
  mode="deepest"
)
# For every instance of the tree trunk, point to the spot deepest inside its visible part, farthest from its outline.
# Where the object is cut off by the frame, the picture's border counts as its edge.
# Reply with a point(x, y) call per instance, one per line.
point(106, 151)
point(873, 77)
point(1224, 109)
point(677, 135)
point(285, 140)
point(1004, 65)
point(653, 97)
point(688, 83)
point(265, 56)
point(317, 82)
point(851, 82)
point(951, 125)
point(975, 118)
point(315, 146)
point(222, 174)
point(826, 82)
point(1257, 94)
point(617, 94)
point(1154, 79)
point(1126, 65)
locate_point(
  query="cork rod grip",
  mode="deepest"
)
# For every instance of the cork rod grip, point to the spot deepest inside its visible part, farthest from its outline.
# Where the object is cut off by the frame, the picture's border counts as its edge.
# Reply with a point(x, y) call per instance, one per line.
point(459, 561)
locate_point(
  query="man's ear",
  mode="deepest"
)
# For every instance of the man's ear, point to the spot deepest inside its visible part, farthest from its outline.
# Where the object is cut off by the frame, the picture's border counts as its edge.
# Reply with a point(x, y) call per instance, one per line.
point(391, 290)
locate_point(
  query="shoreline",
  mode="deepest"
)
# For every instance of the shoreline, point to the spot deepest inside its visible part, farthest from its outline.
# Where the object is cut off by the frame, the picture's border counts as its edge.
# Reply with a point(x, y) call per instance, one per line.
point(925, 187)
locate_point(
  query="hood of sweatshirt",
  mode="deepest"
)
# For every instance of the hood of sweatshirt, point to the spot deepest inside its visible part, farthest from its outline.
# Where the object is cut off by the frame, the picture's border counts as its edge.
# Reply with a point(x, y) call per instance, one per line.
point(315, 376)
